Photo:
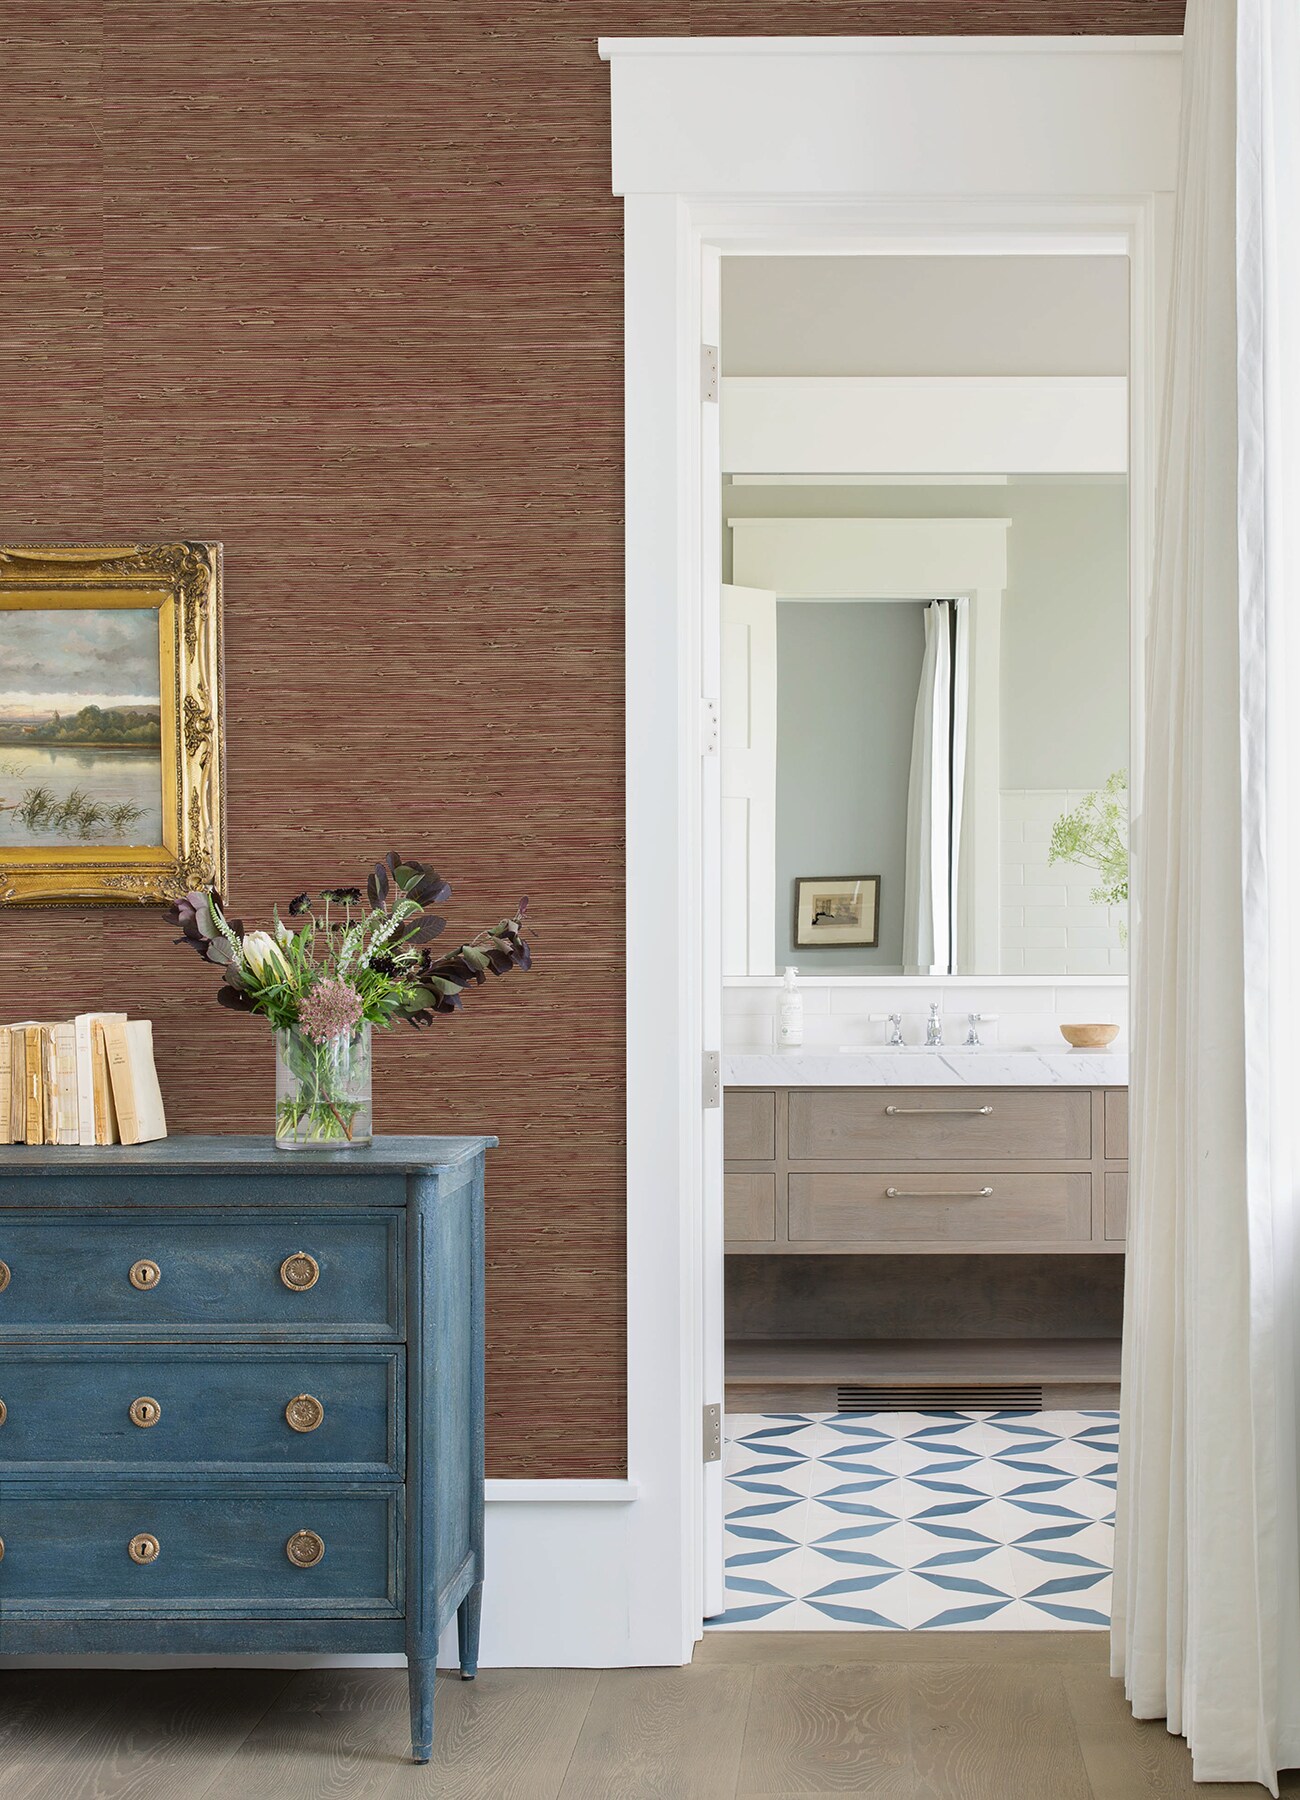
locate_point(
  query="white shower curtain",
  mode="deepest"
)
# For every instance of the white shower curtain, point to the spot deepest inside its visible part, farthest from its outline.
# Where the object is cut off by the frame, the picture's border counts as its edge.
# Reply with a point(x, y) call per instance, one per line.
point(1206, 1608)
point(935, 791)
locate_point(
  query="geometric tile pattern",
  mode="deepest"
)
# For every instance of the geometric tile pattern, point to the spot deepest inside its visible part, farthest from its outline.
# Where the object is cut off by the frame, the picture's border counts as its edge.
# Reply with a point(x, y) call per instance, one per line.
point(936, 1521)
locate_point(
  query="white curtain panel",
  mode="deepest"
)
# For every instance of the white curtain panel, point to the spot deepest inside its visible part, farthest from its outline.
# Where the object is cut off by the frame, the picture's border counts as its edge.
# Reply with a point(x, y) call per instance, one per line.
point(926, 877)
point(1206, 1628)
point(959, 912)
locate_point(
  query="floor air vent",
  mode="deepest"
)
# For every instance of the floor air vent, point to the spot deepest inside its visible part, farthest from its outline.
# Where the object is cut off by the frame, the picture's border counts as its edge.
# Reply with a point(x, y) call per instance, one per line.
point(1006, 1397)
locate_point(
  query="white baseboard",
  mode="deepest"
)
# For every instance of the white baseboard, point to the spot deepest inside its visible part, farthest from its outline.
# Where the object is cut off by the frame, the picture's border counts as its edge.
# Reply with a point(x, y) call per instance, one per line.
point(560, 1558)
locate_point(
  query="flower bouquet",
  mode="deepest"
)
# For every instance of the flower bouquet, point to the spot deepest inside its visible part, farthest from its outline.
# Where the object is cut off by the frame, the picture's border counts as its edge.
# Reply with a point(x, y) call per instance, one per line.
point(324, 977)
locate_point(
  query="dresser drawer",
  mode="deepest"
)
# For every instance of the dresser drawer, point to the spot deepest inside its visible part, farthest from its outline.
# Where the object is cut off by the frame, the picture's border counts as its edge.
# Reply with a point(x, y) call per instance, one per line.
point(300, 1189)
point(266, 1412)
point(71, 1554)
point(941, 1124)
point(151, 1273)
point(912, 1206)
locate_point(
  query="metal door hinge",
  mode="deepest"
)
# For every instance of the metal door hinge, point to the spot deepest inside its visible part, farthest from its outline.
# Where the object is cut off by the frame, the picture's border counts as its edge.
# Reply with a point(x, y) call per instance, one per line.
point(709, 372)
point(710, 727)
point(713, 1078)
point(713, 1433)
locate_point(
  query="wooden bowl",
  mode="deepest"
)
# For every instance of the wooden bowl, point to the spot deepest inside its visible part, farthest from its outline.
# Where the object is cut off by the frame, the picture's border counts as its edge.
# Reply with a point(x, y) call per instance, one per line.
point(1090, 1037)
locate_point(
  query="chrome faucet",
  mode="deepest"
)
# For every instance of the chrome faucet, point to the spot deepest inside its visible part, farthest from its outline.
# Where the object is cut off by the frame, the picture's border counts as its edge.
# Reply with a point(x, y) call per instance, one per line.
point(933, 1028)
point(974, 1021)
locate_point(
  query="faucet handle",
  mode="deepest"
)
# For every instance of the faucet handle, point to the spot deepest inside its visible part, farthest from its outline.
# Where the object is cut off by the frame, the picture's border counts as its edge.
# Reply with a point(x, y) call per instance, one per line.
point(895, 1022)
point(975, 1020)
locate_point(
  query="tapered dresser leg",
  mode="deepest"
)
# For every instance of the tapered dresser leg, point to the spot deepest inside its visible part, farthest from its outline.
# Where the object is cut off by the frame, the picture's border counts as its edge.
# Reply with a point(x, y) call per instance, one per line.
point(467, 1622)
point(420, 1674)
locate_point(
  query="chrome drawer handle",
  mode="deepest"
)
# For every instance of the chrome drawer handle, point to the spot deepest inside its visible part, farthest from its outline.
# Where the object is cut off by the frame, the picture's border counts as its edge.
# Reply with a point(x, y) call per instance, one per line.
point(938, 1193)
point(935, 1112)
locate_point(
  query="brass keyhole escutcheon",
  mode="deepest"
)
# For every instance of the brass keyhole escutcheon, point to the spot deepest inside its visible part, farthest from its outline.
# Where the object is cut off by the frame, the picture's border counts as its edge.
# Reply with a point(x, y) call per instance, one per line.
point(4, 1412)
point(305, 1549)
point(145, 1274)
point(304, 1412)
point(2, 1549)
point(4, 1276)
point(144, 1547)
point(145, 1411)
point(300, 1271)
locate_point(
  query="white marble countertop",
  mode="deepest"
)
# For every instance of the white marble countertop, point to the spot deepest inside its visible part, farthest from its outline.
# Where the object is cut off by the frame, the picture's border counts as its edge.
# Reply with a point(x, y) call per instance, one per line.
point(882, 1067)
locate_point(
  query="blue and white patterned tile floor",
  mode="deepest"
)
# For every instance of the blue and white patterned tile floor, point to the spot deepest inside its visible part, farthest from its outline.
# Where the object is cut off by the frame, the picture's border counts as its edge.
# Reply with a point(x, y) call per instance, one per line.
point(943, 1521)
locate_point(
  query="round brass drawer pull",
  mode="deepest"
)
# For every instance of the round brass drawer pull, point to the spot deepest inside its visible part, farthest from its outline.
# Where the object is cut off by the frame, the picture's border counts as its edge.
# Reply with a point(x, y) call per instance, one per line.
point(4, 1412)
point(304, 1412)
point(300, 1271)
point(145, 1411)
point(145, 1274)
point(305, 1549)
point(144, 1547)
point(4, 1276)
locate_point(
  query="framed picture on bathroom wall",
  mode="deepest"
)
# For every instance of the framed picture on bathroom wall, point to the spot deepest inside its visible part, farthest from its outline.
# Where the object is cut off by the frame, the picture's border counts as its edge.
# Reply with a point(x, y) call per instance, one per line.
point(837, 909)
point(110, 723)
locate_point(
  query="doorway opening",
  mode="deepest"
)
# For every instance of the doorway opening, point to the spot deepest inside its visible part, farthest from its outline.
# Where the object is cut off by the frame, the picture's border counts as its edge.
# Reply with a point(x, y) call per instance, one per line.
point(923, 473)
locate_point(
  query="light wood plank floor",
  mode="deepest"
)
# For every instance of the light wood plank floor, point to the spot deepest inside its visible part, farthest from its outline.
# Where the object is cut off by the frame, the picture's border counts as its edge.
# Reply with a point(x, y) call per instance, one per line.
point(758, 1716)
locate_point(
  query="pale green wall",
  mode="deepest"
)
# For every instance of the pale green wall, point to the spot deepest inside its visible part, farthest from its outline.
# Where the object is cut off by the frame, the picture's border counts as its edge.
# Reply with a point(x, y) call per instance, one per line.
point(847, 680)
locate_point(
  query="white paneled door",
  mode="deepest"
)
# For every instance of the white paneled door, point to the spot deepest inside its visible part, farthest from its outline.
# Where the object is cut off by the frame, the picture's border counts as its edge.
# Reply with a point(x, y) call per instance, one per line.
point(748, 781)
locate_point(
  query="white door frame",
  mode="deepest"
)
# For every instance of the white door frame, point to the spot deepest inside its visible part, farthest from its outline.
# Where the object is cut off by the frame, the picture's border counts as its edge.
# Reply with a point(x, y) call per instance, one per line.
point(672, 578)
point(832, 146)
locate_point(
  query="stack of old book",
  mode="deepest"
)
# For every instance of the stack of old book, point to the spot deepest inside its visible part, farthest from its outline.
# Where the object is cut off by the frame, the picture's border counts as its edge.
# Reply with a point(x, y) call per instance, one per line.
point(88, 1080)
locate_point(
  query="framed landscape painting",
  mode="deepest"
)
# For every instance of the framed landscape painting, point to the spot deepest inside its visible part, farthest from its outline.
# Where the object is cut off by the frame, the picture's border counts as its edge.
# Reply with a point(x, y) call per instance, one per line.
point(110, 723)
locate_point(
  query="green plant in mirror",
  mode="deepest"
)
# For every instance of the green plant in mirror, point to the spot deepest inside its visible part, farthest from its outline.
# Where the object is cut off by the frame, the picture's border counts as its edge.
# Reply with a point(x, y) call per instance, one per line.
point(1094, 835)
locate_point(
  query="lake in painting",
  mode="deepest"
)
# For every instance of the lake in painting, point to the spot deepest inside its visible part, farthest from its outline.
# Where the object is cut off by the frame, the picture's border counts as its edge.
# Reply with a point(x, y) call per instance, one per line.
point(80, 737)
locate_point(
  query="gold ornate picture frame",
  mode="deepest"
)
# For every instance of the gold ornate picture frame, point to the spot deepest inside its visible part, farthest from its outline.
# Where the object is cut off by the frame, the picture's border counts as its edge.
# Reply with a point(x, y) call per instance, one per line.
point(111, 777)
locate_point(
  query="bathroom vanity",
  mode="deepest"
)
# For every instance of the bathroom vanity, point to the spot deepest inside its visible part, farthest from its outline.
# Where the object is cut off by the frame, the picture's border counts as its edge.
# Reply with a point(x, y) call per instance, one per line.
point(939, 1227)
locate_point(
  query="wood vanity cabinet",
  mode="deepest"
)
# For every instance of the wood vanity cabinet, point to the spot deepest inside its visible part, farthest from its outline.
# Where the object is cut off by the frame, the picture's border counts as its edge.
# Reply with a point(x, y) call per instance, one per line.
point(850, 1213)
point(814, 1171)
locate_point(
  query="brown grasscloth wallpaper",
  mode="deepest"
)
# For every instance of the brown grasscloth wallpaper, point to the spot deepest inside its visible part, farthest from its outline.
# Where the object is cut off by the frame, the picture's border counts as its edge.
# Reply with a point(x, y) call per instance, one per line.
point(337, 282)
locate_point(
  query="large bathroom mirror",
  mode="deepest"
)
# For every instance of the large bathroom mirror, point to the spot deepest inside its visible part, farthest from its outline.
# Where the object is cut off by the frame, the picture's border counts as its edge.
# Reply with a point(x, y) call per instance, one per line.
point(925, 615)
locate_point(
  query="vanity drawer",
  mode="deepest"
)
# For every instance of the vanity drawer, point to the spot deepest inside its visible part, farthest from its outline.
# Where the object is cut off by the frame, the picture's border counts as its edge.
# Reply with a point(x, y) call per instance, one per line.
point(940, 1124)
point(213, 1411)
point(150, 1273)
point(749, 1125)
point(750, 1205)
point(1116, 1104)
point(1116, 1207)
point(71, 1554)
point(915, 1206)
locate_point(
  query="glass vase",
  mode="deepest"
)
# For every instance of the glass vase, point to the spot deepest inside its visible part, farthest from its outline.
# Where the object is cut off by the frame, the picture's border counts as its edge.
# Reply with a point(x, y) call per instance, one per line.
point(322, 1091)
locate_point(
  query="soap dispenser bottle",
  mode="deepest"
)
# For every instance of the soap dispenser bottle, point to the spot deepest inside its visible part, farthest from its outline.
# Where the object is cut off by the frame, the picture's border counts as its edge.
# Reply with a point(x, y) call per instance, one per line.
point(789, 1031)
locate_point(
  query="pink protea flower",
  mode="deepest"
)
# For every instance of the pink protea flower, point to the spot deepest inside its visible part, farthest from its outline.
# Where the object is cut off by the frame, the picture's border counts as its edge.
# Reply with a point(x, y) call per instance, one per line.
point(331, 1010)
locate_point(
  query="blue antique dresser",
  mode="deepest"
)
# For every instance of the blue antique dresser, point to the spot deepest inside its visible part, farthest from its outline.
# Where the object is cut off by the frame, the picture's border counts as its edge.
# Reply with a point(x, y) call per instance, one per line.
point(241, 1400)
